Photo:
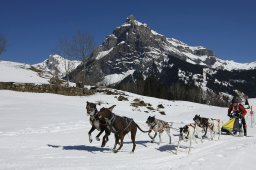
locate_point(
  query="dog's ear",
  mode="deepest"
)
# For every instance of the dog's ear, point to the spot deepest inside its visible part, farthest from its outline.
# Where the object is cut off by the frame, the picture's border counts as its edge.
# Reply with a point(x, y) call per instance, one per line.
point(102, 108)
point(181, 129)
point(186, 128)
point(111, 108)
point(87, 102)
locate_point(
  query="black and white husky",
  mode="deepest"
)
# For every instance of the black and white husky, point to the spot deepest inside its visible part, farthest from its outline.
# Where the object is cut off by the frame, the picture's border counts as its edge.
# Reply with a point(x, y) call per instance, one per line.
point(188, 133)
point(100, 125)
point(214, 125)
point(158, 126)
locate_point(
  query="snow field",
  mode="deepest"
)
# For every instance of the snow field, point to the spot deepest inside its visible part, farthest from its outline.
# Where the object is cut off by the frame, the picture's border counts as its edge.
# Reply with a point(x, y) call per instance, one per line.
point(47, 131)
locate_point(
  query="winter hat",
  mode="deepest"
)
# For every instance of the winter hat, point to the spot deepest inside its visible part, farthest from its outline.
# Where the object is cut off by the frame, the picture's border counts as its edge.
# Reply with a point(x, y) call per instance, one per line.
point(235, 100)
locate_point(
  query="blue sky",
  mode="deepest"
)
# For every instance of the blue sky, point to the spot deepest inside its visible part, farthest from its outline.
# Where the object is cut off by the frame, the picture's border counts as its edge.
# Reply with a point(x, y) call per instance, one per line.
point(33, 27)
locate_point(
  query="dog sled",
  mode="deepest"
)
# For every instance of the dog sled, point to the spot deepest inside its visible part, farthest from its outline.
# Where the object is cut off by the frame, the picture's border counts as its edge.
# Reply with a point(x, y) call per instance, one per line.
point(233, 127)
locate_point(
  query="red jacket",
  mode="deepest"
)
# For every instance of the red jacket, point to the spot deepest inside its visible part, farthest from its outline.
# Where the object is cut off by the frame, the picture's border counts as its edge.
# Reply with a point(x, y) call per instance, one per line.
point(237, 109)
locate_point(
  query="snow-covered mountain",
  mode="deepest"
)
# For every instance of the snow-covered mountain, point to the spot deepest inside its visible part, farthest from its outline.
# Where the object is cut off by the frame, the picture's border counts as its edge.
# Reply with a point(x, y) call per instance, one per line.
point(138, 59)
point(205, 57)
point(56, 65)
point(40, 73)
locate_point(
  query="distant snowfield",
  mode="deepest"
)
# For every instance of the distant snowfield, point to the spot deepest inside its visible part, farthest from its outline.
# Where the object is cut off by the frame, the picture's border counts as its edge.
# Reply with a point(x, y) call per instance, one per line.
point(19, 72)
point(47, 131)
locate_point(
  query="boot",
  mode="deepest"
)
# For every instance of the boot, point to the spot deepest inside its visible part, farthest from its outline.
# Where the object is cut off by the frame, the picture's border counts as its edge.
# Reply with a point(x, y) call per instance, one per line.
point(245, 132)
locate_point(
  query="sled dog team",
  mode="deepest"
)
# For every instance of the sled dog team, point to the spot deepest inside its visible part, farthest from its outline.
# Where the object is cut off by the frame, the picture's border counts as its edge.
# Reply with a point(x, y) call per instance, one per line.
point(106, 121)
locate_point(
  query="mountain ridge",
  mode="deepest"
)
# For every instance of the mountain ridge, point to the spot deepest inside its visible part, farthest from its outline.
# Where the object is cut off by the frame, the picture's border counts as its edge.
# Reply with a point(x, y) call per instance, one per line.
point(138, 59)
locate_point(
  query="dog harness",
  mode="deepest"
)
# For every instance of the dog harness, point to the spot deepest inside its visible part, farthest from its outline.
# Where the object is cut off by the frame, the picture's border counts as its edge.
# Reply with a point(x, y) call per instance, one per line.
point(111, 121)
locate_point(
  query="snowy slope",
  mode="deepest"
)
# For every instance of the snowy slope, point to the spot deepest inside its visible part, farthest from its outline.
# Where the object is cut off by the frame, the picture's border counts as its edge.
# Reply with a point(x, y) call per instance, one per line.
point(47, 131)
point(19, 72)
point(38, 73)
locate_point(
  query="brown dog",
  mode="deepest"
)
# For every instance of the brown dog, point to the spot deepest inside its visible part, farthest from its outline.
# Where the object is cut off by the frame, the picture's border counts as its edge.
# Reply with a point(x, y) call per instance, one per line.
point(120, 126)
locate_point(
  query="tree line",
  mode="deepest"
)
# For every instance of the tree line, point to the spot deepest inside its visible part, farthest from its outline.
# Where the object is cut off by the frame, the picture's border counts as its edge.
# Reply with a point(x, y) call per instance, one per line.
point(176, 91)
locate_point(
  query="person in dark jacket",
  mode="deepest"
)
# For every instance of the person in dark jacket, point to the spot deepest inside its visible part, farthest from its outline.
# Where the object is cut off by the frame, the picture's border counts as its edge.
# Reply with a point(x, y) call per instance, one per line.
point(238, 110)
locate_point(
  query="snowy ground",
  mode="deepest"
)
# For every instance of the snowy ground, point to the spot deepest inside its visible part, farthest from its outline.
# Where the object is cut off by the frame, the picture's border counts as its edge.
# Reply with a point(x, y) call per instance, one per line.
point(19, 72)
point(47, 131)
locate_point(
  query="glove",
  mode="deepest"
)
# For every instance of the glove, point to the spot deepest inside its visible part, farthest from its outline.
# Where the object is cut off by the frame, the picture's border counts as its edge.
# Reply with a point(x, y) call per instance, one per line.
point(233, 114)
point(238, 115)
point(230, 115)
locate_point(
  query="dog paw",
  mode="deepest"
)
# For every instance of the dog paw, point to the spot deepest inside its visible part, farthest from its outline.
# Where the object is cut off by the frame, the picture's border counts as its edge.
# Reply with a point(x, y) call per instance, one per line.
point(90, 140)
point(97, 138)
point(115, 151)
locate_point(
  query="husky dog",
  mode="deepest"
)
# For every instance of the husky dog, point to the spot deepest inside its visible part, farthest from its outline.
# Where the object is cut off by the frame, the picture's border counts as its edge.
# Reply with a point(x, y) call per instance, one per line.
point(188, 133)
point(100, 125)
point(202, 122)
point(158, 126)
point(215, 127)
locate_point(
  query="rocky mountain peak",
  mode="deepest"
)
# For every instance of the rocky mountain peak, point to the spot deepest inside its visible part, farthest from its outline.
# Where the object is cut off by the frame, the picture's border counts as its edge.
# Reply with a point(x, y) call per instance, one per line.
point(56, 65)
point(130, 19)
point(138, 59)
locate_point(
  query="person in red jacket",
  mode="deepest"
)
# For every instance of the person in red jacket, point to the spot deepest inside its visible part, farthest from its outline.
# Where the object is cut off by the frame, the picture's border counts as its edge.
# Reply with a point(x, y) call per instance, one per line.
point(236, 109)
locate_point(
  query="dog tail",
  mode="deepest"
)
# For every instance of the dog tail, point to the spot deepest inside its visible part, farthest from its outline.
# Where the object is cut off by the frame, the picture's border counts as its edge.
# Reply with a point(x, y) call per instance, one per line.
point(142, 130)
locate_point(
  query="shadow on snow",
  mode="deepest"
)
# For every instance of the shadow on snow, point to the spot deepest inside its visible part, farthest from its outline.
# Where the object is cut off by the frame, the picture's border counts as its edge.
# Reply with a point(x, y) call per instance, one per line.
point(167, 148)
point(93, 148)
point(140, 142)
point(81, 148)
point(170, 148)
